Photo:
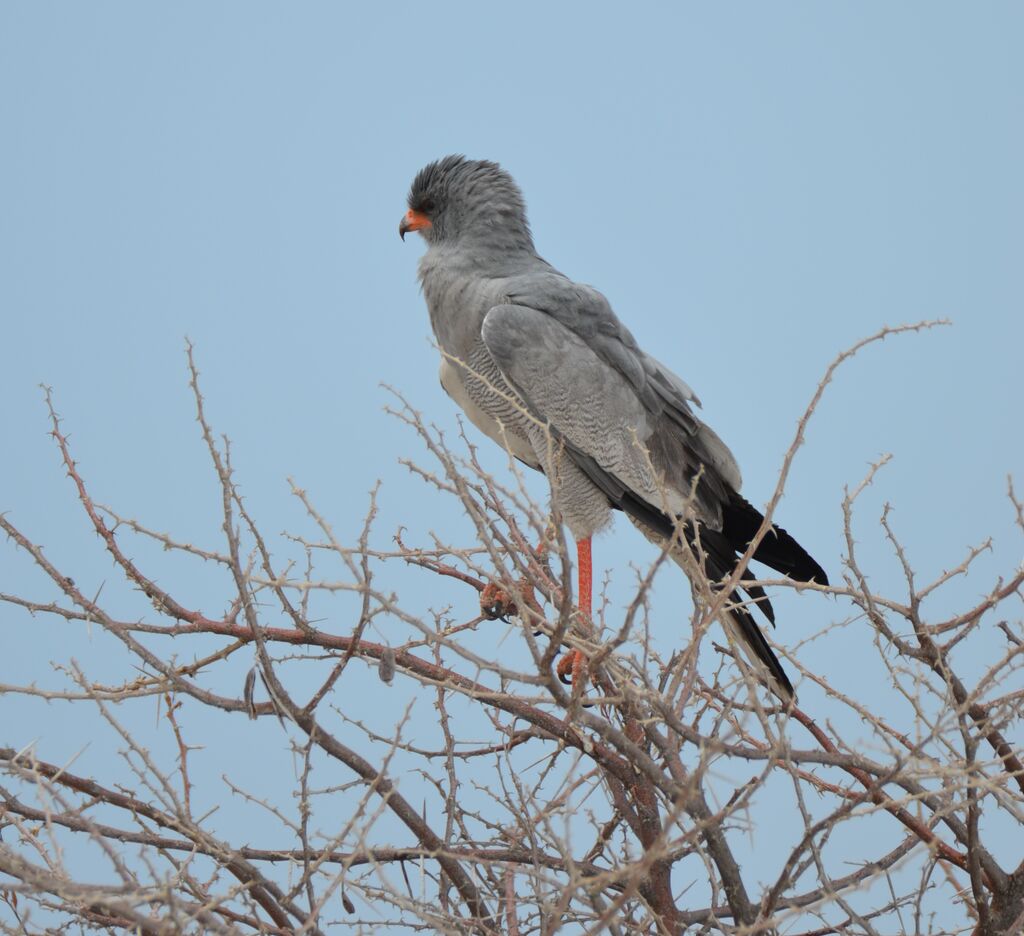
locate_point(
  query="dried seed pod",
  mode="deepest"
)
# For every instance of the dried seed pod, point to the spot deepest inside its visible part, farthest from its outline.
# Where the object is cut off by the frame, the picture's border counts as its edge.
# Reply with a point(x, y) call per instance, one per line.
point(386, 668)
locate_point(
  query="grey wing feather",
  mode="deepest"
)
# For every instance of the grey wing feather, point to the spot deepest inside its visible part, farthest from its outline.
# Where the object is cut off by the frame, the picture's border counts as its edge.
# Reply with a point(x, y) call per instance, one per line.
point(677, 386)
point(676, 394)
point(603, 412)
point(679, 442)
point(587, 313)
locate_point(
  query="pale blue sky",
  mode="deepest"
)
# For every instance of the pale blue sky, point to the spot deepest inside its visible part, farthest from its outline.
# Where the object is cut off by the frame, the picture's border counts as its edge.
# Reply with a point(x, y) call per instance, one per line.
point(754, 187)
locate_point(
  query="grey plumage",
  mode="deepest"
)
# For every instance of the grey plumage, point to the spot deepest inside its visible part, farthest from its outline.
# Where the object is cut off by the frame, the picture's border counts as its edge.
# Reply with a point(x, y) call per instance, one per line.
point(542, 365)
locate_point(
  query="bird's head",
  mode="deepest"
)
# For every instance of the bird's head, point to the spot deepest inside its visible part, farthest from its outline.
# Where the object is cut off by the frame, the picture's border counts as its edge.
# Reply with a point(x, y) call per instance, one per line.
point(459, 199)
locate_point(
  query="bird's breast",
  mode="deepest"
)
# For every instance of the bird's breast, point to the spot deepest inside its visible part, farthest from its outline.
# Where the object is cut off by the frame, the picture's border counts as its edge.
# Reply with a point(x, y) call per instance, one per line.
point(457, 304)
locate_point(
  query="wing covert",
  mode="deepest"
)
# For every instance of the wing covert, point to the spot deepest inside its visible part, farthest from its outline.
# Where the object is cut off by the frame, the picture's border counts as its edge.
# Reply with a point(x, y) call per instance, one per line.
point(599, 413)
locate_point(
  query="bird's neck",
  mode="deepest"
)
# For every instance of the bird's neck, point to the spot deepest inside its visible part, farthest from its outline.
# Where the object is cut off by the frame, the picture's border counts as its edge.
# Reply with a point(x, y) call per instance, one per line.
point(484, 241)
point(496, 256)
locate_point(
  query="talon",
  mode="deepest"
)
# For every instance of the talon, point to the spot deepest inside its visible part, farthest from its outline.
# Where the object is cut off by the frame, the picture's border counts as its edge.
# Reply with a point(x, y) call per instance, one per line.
point(570, 668)
point(496, 603)
point(564, 668)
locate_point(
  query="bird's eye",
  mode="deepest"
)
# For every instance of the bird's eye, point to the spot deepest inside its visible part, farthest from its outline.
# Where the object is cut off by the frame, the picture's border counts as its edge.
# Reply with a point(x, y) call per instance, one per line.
point(427, 205)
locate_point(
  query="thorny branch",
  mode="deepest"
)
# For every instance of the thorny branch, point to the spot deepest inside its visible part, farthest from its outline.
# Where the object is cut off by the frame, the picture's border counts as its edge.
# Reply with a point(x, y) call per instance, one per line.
point(496, 801)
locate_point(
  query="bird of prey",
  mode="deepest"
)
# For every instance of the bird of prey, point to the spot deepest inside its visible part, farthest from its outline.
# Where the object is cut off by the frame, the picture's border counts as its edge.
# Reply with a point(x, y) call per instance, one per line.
point(543, 366)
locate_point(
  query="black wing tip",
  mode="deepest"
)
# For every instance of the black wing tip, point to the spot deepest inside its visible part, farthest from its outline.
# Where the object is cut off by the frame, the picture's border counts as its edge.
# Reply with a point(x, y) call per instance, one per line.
point(806, 570)
point(805, 566)
point(818, 577)
point(778, 550)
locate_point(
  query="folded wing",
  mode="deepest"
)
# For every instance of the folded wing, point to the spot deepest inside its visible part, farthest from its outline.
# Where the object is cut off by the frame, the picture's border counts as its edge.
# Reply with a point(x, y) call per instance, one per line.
point(625, 421)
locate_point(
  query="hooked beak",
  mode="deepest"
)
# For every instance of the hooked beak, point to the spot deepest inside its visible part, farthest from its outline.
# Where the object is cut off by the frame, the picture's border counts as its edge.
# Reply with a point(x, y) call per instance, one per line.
point(413, 221)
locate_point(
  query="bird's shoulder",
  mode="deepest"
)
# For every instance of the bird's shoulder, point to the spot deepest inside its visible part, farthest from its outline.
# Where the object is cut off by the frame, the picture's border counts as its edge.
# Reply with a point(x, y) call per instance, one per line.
point(586, 312)
point(579, 307)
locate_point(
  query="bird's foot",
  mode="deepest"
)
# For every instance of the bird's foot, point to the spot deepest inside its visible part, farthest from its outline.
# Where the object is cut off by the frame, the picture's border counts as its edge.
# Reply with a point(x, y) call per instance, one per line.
point(571, 669)
point(496, 603)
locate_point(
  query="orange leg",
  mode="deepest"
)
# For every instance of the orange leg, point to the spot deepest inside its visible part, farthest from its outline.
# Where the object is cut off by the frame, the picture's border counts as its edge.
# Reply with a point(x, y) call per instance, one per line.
point(585, 573)
point(570, 667)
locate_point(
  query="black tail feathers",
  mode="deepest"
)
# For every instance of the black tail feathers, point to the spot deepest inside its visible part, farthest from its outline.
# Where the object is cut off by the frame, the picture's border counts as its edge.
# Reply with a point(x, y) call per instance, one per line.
point(778, 550)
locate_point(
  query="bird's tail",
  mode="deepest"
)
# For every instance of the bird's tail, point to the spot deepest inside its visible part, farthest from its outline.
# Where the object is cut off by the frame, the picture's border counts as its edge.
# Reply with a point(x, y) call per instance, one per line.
point(719, 557)
point(778, 550)
point(741, 627)
point(719, 550)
